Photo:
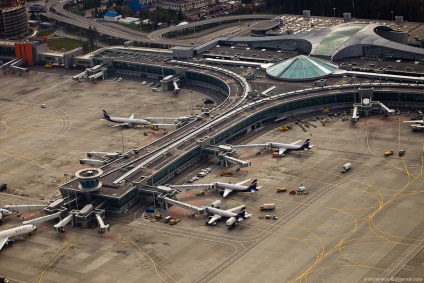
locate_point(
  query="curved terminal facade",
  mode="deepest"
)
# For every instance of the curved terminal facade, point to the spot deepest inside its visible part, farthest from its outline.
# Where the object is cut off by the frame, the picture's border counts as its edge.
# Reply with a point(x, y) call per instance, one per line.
point(341, 41)
point(261, 28)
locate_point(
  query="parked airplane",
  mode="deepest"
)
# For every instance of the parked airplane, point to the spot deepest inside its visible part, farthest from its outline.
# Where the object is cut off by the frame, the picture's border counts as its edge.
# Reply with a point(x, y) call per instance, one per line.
point(128, 122)
point(15, 232)
point(418, 124)
point(214, 212)
point(125, 122)
point(228, 188)
point(281, 147)
point(217, 214)
point(3, 213)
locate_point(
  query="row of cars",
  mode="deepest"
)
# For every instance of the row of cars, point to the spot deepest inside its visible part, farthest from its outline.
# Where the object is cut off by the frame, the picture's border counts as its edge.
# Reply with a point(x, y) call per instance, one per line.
point(201, 174)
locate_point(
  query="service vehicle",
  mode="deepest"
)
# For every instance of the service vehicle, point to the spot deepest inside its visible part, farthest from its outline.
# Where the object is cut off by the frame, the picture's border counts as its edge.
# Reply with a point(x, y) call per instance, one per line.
point(346, 167)
point(401, 152)
point(281, 190)
point(231, 222)
point(267, 206)
point(388, 153)
point(174, 221)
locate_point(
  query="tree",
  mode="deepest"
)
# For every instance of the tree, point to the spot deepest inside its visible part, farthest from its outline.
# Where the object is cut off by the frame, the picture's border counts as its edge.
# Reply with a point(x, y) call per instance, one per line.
point(180, 15)
point(249, 8)
point(126, 11)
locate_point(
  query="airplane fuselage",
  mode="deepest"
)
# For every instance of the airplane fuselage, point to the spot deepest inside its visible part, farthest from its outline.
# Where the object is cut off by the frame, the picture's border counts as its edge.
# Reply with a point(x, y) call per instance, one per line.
point(286, 146)
point(18, 231)
point(220, 185)
point(128, 121)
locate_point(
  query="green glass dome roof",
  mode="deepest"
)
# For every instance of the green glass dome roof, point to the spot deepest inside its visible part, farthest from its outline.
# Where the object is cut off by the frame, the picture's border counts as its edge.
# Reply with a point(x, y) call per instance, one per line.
point(301, 68)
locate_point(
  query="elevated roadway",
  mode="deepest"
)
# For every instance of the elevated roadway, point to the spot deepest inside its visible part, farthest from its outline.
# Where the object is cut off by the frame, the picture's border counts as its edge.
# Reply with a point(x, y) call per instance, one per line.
point(119, 31)
point(157, 35)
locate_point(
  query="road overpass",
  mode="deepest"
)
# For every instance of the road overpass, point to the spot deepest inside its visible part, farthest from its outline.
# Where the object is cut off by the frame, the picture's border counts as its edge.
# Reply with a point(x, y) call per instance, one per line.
point(127, 34)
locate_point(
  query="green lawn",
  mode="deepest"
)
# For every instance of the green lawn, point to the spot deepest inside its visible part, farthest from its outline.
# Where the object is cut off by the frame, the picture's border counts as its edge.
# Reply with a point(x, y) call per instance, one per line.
point(66, 43)
point(45, 32)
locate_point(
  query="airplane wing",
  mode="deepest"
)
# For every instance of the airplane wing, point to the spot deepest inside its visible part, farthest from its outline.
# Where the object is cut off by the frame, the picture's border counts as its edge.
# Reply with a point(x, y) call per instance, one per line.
point(238, 208)
point(114, 126)
point(281, 151)
point(121, 125)
point(214, 218)
point(227, 192)
point(242, 182)
point(132, 116)
point(418, 126)
point(414, 121)
point(296, 142)
point(2, 242)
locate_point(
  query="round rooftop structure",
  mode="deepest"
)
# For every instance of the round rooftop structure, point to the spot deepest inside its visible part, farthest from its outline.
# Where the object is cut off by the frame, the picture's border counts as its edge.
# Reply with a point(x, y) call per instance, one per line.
point(265, 25)
point(89, 179)
point(301, 68)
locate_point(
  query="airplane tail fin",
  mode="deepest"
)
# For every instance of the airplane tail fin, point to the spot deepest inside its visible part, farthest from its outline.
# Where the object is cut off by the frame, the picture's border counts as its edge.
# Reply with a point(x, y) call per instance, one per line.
point(254, 186)
point(305, 145)
point(105, 115)
point(242, 214)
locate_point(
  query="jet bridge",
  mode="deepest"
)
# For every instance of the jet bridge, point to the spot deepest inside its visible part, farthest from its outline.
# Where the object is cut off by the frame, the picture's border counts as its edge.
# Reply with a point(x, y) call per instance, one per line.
point(355, 115)
point(82, 75)
point(15, 66)
point(385, 108)
point(176, 87)
point(227, 159)
point(92, 73)
point(24, 207)
point(368, 106)
point(60, 226)
point(206, 187)
point(43, 218)
point(102, 227)
point(7, 65)
point(187, 206)
point(97, 75)
point(258, 145)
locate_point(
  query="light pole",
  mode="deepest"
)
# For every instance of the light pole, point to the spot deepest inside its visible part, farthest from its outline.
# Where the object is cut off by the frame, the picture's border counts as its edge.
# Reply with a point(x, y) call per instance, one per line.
point(334, 12)
point(391, 12)
point(191, 99)
point(122, 140)
point(354, 88)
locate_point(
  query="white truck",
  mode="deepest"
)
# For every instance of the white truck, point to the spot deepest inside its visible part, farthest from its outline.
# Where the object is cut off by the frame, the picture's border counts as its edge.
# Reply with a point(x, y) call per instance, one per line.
point(267, 206)
point(301, 190)
point(346, 167)
point(216, 204)
point(231, 222)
